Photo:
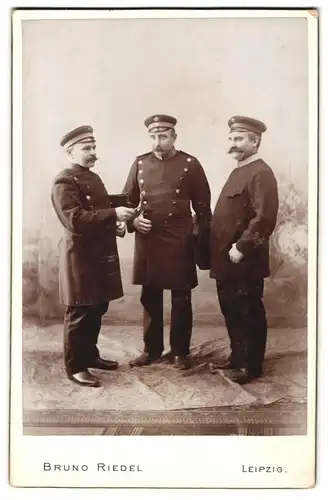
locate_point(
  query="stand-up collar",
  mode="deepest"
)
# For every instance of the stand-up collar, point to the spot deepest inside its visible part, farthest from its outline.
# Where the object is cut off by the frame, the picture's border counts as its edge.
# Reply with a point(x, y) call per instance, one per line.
point(248, 160)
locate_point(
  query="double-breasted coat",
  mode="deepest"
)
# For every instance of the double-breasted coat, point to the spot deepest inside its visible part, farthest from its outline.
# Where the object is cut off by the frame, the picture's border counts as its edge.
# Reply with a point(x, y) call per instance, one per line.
point(89, 270)
point(245, 214)
point(165, 190)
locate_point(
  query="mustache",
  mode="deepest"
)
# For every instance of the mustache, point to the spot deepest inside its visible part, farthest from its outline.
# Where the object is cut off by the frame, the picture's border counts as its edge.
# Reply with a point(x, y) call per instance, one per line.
point(95, 158)
point(235, 150)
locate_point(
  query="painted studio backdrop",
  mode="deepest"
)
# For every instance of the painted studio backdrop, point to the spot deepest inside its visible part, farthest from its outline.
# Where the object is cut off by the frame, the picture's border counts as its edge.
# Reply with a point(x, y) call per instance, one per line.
point(111, 74)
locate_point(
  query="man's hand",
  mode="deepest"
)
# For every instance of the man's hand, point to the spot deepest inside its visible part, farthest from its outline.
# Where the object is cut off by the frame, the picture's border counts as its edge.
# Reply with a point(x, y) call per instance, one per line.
point(142, 225)
point(120, 229)
point(123, 213)
point(235, 255)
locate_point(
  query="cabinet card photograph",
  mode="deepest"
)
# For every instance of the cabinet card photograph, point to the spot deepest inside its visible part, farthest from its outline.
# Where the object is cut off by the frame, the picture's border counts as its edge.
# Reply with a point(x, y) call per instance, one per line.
point(164, 248)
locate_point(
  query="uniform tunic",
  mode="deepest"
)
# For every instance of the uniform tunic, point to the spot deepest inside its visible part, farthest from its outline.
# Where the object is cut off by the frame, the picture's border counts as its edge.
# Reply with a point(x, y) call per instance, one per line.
point(89, 263)
point(164, 190)
point(245, 214)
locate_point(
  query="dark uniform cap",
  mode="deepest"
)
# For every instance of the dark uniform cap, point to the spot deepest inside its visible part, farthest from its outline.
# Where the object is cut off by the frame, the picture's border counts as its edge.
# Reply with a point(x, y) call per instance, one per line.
point(160, 123)
point(79, 134)
point(246, 124)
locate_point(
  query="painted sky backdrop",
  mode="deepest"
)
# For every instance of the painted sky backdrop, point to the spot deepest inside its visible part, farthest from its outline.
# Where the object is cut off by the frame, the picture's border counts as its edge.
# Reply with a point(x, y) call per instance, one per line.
point(112, 74)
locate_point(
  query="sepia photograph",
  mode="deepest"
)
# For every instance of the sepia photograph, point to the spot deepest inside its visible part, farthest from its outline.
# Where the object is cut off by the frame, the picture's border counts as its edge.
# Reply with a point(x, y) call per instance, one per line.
point(164, 240)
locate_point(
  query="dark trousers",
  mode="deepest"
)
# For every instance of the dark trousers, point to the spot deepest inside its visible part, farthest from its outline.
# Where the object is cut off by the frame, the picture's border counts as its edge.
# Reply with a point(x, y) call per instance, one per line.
point(81, 329)
point(242, 307)
point(153, 324)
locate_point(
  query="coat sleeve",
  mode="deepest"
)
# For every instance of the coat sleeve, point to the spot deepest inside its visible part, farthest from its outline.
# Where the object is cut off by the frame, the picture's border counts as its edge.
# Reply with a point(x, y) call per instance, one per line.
point(70, 211)
point(263, 194)
point(131, 189)
point(200, 196)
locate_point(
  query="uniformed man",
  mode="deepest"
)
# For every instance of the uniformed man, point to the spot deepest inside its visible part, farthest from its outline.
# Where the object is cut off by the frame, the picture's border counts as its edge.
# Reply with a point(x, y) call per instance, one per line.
point(244, 217)
point(163, 184)
point(89, 264)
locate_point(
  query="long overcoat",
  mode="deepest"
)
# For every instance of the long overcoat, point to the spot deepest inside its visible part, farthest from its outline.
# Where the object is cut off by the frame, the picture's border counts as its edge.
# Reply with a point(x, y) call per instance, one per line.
point(89, 270)
point(245, 214)
point(165, 191)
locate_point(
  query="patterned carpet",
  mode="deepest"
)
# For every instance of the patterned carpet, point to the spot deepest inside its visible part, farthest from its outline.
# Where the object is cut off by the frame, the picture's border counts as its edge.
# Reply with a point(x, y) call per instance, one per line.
point(159, 400)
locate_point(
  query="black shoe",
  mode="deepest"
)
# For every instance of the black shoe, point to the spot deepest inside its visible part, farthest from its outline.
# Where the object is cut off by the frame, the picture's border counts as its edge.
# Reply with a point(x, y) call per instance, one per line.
point(104, 364)
point(241, 376)
point(167, 358)
point(85, 378)
point(225, 365)
point(144, 359)
point(182, 362)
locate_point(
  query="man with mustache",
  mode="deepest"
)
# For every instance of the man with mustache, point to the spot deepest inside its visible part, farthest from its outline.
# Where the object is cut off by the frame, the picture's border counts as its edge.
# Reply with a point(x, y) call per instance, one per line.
point(164, 184)
point(89, 273)
point(244, 217)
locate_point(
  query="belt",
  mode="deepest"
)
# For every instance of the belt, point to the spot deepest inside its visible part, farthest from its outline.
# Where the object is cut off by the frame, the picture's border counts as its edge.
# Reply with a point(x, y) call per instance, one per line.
point(162, 217)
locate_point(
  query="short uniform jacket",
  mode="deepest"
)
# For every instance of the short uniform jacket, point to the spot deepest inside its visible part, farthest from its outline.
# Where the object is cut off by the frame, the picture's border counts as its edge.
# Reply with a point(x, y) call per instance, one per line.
point(245, 214)
point(164, 190)
point(89, 264)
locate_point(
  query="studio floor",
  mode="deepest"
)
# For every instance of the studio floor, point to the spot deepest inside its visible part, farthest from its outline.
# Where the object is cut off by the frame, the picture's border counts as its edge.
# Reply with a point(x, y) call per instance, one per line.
point(158, 399)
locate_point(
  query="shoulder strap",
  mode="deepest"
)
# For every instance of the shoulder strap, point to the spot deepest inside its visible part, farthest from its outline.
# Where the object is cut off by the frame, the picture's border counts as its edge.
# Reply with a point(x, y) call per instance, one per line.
point(143, 155)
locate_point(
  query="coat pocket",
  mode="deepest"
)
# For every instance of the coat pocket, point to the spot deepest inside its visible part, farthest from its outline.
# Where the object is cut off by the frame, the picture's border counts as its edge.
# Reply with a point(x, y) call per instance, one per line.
point(239, 204)
point(233, 191)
